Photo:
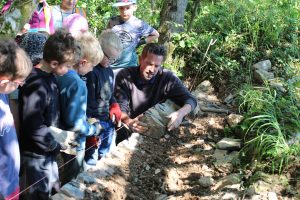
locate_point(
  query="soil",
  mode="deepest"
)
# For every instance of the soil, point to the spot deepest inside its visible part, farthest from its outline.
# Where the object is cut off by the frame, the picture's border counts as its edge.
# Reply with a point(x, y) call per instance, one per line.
point(170, 167)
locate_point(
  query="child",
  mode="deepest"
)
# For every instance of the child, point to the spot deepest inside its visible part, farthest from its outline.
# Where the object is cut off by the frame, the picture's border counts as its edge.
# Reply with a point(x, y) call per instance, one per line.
point(73, 101)
point(132, 32)
point(41, 18)
point(14, 68)
point(101, 102)
point(39, 109)
point(66, 8)
point(75, 24)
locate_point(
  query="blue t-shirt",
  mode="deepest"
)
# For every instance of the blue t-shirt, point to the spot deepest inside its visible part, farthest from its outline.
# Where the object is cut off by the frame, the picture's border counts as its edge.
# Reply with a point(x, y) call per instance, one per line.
point(130, 33)
point(9, 150)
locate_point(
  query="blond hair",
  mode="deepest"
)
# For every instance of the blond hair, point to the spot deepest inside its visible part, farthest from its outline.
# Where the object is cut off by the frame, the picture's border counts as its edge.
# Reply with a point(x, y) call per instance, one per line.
point(90, 47)
point(109, 39)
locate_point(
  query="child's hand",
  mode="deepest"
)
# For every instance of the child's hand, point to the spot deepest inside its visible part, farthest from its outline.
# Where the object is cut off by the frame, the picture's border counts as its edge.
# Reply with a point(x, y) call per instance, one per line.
point(115, 114)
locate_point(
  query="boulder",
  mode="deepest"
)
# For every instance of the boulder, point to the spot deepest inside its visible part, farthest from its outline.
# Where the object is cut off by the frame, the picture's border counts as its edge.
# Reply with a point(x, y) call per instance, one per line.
point(264, 65)
point(260, 76)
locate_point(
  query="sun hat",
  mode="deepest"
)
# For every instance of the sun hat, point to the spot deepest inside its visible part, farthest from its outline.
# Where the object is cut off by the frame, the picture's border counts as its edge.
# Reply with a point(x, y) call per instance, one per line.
point(124, 3)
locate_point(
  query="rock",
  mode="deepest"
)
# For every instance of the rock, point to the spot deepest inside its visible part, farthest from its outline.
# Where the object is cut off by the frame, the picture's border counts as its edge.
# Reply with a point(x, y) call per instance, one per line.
point(229, 144)
point(157, 120)
point(74, 189)
point(272, 196)
point(147, 167)
point(277, 85)
point(206, 87)
point(227, 180)
point(157, 171)
point(206, 181)
point(86, 178)
point(230, 196)
point(228, 99)
point(264, 65)
point(60, 196)
point(162, 197)
point(234, 119)
point(261, 76)
point(224, 161)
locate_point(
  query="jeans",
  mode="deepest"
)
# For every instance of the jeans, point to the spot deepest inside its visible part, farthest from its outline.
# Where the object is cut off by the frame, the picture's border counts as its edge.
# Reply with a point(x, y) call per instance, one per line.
point(106, 142)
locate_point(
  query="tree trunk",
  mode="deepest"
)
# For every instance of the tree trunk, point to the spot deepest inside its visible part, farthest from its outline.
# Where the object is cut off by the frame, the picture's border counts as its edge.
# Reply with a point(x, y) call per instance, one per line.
point(18, 14)
point(171, 19)
point(194, 13)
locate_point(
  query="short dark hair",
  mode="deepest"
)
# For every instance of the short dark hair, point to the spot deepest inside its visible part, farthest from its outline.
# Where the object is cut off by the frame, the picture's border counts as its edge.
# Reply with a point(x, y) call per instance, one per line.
point(62, 47)
point(156, 49)
point(14, 61)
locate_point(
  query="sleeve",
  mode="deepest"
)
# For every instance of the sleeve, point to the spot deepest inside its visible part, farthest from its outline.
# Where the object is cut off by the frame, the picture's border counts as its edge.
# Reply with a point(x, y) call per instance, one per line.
point(177, 92)
point(34, 99)
point(122, 92)
point(91, 84)
point(112, 99)
point(147, 29)
point(76, 110)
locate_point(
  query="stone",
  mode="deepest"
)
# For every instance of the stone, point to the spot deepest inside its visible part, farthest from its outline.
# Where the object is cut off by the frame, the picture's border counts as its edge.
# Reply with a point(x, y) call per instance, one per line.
point(229, 196)
point(277, 85)
point(60, 196)
point(162, 197)
point(229, 144)
point(261, 76)
point(264, 65)
point(206, 181)
point(86, 178)
point(227, 180)
point(147, 167)
point(272, 196)
point(74, 189)
point(157, 171)
point(229, 99)
point(206, 87)
point(234, 119)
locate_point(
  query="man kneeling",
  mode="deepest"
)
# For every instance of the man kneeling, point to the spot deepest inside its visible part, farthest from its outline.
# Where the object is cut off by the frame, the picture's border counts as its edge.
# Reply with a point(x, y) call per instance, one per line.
point(139, 88)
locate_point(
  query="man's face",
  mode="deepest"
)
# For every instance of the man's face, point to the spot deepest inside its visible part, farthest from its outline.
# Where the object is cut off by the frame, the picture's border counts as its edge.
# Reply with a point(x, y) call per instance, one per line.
point(127, 11)
point(68, 4)
point(7, 85)
point(110, 56)
point(150, 65)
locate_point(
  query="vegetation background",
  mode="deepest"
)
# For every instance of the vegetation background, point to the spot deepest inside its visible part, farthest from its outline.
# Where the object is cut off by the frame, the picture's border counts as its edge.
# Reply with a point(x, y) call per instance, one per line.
point(219, 41)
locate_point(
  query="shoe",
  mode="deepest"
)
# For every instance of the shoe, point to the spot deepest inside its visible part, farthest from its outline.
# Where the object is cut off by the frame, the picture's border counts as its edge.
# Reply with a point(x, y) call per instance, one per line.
point(91, 156)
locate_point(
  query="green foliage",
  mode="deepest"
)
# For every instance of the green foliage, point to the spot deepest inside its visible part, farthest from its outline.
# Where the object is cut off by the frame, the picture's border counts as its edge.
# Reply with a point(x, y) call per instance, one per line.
point(271, 127)
point(245, 32)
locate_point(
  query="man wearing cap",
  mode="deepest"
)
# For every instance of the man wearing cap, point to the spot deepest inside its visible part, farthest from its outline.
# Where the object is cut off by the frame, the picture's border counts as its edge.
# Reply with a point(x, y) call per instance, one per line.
point(139, 88)
point(132, 32)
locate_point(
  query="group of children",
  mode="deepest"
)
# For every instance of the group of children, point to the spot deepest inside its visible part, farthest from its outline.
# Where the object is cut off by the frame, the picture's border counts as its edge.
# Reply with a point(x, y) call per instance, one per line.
point(63, 80)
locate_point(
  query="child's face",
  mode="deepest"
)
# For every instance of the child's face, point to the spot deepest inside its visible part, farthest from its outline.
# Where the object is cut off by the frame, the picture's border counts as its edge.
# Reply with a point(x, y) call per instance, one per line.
point(7, 85)
point(127, 11)
point(110, 56)
point(68, 4)
point(85, 67)
point(61, 69)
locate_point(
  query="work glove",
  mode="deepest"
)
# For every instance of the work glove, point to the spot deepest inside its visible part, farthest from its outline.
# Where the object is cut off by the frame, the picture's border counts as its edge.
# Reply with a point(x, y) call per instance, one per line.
point(92, 141)
point(115, 113)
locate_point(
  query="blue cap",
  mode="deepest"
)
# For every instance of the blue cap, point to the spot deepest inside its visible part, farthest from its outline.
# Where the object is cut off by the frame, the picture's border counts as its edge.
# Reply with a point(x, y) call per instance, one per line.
point(124, 3)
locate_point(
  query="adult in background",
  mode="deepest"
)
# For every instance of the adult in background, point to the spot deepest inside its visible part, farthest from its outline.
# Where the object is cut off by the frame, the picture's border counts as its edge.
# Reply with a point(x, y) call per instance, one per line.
point(66, 8)
point(139, 88)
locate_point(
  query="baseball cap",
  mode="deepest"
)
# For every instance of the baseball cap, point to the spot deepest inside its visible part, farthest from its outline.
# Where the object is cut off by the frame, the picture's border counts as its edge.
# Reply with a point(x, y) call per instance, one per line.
point(124, 3)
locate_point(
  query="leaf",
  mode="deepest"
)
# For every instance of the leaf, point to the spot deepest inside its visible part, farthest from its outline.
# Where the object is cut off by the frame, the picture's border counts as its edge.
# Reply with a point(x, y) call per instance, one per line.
point(182, 43)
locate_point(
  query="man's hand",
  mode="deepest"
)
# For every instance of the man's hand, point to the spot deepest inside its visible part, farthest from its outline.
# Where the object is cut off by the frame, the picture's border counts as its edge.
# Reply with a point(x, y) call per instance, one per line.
point(136, 125)
point(175, 120)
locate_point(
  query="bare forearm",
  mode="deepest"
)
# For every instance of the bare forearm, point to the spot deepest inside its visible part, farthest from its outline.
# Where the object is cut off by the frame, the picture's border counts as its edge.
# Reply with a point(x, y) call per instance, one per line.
point(185, 110)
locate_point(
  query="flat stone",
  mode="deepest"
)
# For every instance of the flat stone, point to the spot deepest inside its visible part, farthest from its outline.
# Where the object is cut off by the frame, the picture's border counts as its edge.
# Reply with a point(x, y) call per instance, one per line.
point(74, 190)
point(229, 144)
point(86, 178)
point(206, 181)
point(60, 196)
